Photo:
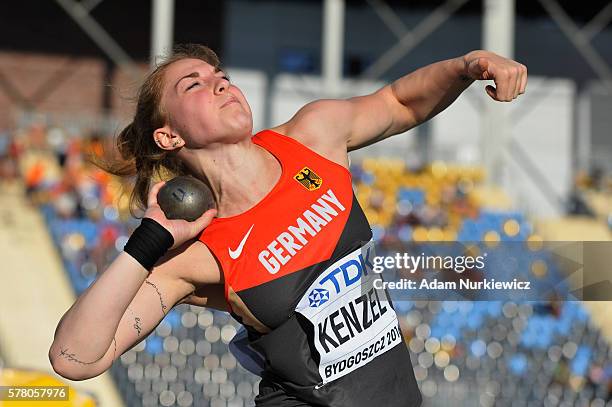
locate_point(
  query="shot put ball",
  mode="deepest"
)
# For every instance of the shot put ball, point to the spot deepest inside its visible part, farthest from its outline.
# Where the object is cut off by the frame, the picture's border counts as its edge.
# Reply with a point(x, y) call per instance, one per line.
point(185, 197)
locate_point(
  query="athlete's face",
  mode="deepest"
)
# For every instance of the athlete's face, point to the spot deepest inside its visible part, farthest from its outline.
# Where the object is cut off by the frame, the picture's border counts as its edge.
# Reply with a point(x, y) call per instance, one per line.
point(202, 106)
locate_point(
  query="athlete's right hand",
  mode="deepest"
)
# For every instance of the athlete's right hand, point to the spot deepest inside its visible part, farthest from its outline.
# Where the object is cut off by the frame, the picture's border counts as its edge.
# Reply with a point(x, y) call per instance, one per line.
point(180, 229)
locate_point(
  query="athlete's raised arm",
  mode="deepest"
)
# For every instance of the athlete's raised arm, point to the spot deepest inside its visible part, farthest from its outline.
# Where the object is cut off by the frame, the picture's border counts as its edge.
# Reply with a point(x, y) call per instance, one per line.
point(127, 301)
point(407, 102)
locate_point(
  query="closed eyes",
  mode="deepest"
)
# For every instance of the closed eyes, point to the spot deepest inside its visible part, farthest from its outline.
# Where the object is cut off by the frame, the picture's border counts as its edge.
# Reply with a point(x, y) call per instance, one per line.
point(193, 85)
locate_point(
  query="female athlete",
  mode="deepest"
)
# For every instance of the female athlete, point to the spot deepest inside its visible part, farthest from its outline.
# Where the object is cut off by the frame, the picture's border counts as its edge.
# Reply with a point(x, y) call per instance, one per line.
point(288, 250)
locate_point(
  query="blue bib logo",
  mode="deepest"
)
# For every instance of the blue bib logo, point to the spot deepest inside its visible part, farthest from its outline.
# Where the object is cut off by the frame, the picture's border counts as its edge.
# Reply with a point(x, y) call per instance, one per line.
point(318, 296)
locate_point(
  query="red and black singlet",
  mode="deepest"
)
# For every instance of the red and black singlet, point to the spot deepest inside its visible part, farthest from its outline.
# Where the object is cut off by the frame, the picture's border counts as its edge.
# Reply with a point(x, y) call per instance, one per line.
point(297, 271)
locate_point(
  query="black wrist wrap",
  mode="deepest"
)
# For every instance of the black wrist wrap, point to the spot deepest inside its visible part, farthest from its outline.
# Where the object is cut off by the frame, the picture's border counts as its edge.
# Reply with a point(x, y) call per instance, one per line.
point(149, 242)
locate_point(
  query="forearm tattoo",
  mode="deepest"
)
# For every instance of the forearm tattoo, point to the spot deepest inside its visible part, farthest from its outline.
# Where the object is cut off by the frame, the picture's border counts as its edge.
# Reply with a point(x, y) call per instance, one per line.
point(161, 300)
point(71, 357)
point(137, 325)
point(137, 322)
point(65, 353)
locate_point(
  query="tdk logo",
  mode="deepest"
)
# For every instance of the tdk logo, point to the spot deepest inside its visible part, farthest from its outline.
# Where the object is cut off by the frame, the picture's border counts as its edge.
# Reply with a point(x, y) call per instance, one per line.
point(351, 271)
point(318, 296)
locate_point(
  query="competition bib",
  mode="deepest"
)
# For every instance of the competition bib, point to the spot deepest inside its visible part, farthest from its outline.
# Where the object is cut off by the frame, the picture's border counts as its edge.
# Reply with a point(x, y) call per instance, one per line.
point(353, 320)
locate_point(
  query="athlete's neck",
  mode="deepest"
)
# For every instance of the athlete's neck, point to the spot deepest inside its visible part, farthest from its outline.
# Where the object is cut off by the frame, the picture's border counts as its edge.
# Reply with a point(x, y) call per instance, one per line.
point(240, 174)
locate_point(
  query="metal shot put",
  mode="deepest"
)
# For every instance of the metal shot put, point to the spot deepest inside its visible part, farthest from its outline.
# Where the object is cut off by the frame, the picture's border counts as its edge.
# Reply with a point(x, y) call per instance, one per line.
point(185, 198)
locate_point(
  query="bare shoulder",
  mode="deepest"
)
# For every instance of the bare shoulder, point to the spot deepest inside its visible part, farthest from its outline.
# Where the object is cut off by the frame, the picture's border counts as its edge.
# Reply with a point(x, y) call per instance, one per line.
point(314, 126)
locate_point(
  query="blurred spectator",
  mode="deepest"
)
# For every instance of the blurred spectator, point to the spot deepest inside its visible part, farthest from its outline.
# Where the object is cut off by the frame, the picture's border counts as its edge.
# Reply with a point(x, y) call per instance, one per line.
point(8, 157)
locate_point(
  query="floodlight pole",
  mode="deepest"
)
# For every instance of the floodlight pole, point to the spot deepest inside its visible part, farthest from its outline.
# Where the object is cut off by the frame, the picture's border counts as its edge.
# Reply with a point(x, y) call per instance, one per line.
point(162, 29)
point(333, 46)
point(498, 37)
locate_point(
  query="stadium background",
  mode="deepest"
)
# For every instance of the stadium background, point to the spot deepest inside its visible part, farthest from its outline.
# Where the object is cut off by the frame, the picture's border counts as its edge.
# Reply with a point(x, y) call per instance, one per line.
point(536, 170)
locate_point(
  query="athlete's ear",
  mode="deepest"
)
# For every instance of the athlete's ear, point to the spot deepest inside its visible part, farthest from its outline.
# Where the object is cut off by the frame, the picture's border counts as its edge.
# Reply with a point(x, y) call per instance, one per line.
point(166, 139)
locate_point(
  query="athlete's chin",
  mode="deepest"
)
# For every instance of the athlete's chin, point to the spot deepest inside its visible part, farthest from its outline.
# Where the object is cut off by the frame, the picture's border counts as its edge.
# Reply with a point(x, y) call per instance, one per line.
point(242, 125)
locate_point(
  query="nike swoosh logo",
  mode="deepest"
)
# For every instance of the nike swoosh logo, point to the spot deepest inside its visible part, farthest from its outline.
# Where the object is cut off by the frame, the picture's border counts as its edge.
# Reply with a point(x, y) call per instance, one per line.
point(234, 254)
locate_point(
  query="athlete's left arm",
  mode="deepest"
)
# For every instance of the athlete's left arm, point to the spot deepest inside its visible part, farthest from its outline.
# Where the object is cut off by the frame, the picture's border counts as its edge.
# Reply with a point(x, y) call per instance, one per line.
point(412, 99)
